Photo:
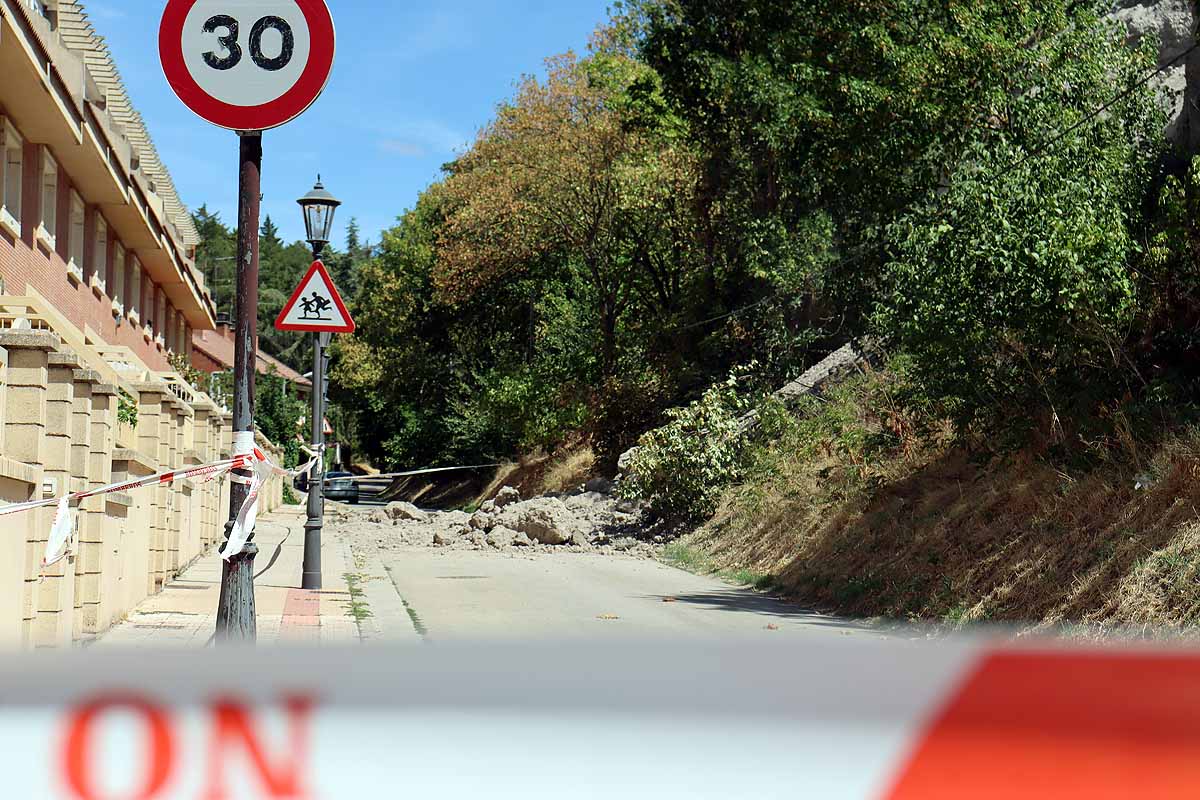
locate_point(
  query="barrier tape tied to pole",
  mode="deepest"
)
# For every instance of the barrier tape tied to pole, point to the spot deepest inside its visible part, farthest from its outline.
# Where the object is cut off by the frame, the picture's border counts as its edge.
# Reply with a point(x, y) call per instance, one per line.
point(261, 469)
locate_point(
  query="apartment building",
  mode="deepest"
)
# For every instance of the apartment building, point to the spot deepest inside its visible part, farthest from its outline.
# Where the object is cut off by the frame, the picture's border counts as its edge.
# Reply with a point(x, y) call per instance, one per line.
point(98, 289)
point(89, 217)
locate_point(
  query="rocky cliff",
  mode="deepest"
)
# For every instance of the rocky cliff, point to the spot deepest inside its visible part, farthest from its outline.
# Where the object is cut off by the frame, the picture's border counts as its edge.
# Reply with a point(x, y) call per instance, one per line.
point(1174, 23)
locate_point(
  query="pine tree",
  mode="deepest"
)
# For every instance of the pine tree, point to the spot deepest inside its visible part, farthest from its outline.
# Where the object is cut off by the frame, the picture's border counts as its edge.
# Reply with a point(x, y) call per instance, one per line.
point(269, 243)
point(215, 256)
point(345, 265)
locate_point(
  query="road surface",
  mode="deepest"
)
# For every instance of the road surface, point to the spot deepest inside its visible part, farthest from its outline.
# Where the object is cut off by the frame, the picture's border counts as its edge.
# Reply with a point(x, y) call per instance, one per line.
point(472, 595)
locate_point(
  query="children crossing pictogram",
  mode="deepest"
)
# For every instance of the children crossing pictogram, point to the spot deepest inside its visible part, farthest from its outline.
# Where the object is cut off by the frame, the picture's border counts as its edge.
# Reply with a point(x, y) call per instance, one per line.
point(316, 306)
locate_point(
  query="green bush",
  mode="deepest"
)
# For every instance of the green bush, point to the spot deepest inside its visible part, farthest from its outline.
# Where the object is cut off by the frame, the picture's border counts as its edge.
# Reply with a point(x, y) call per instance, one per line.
point(1017, 271)
point(682, 467)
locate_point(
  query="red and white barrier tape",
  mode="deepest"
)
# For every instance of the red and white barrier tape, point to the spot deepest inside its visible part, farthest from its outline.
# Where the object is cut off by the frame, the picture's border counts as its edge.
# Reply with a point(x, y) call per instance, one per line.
point(261, 469)
point(808, 716)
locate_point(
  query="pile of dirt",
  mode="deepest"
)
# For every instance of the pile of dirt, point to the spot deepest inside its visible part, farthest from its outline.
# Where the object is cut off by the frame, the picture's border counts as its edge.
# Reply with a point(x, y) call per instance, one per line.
point(589, 519)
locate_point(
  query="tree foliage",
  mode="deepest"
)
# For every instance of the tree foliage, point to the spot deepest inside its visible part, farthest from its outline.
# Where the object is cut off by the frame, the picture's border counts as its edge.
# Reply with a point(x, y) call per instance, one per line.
point(1022, 265)
point(757, 181)
point(566, 182)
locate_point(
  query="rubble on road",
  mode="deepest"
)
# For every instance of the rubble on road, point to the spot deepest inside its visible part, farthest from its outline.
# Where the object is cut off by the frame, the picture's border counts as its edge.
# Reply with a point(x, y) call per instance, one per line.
point(590, 519)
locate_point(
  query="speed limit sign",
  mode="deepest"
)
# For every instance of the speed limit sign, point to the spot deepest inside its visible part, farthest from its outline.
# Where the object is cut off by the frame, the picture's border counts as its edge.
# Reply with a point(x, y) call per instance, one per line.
point(247, 65)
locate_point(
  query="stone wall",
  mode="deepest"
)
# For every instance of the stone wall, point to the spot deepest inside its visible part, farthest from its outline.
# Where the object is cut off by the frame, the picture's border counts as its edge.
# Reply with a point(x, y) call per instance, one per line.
point(62, 430)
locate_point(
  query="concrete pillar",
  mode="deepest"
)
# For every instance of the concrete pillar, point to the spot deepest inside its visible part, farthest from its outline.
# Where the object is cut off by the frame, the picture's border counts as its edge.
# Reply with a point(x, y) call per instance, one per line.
point(90, 518)
point(150, 411)
point(192, 493)
point(18, 484)
point(24, 442)
point(169, 456)
point(134, 583)
point(200, 440)
point(207, 452)
point(54, 622)
point(98, 545)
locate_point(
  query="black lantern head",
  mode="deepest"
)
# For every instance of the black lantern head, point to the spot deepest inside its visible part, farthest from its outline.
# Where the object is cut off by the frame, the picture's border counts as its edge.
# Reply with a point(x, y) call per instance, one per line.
point(319, 207)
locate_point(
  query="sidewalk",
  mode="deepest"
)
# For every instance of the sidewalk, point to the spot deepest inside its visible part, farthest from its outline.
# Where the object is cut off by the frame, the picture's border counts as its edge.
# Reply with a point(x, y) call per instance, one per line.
point(184, 614)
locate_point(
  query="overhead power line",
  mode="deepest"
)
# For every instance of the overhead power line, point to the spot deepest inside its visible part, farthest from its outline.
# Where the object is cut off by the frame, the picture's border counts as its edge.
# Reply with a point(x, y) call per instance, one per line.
point(1038, 152)
point(1090, 118)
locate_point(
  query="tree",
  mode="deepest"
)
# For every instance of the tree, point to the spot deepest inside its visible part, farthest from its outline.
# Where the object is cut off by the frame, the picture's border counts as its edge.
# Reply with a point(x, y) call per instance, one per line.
point(851, 110)
point(563, 181)
point(1019, 271)
point(345, 266)
point(216, 255)
point(269, 243)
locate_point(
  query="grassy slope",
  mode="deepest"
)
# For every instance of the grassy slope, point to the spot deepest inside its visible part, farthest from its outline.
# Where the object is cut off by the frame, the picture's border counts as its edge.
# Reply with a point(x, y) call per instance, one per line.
point(852, 512)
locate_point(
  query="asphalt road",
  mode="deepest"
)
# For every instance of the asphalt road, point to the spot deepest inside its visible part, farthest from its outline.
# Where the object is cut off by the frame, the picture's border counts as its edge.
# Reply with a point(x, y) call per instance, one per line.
point(473, 595)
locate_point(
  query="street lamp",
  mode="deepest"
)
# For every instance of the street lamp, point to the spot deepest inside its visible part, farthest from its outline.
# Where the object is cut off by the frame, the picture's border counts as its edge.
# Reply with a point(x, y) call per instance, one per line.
point(318, 207)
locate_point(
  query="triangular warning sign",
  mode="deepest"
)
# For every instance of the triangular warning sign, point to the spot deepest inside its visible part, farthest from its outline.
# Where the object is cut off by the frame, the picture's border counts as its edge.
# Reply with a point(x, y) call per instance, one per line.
point(316, 306)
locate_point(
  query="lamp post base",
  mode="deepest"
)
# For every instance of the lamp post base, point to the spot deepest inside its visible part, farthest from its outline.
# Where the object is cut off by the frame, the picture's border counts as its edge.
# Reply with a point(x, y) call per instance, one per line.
point(236, 620)
point(311, 578)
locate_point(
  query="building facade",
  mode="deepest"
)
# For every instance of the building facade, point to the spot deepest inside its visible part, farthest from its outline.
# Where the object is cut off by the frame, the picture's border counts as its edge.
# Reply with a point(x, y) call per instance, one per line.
point(98, 292)
point(89, 218)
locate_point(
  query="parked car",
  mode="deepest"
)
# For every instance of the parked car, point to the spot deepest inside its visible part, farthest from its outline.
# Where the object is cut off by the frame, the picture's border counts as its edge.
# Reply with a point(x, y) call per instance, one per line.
point(341, 486)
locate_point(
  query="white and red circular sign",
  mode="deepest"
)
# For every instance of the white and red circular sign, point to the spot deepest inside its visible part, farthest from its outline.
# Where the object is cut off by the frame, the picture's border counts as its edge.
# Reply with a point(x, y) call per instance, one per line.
point(247, 65)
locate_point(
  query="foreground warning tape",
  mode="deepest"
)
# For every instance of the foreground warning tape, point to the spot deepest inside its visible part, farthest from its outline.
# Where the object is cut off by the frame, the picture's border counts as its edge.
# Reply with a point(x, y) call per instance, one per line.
point(261, 468)
point(831, 719)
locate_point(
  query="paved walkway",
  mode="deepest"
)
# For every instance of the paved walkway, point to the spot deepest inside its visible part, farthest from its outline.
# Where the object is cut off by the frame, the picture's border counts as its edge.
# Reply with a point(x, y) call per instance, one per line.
point(466, 595)
point(380, 595)
point(346, 611)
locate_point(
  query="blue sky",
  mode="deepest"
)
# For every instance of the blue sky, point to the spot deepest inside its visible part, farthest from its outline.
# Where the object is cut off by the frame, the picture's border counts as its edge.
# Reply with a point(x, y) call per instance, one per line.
point(412, 84)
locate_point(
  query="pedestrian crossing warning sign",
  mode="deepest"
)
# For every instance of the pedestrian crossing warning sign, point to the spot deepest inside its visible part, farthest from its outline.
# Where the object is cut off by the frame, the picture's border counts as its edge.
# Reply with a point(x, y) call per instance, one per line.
point(316, 306)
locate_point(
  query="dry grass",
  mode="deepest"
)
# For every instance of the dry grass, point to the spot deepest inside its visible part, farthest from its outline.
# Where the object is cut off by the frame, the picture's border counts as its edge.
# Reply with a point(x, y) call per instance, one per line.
point(540, 473)
point(506, 475)
point(927, 531)
point(568, 469)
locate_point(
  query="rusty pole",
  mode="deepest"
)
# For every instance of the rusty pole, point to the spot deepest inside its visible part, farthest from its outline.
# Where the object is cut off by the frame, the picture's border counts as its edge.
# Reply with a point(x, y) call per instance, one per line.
point(236, 621)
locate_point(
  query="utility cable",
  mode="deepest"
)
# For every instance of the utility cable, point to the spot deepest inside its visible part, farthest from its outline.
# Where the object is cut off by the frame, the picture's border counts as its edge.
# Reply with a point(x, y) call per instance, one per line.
point(1038, 152)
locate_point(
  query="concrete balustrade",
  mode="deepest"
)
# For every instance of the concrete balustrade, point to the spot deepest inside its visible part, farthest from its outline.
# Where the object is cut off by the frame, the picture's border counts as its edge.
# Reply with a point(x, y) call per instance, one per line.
point(65, 426)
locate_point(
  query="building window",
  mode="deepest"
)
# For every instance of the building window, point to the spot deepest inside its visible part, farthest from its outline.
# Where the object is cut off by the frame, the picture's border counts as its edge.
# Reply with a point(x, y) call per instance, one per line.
point(75, 236)
point(149, 307)
point(12, 159)
point(135, 290)
point(160, 315)
point(47, 228)
point(118, 279)
point(100, 270)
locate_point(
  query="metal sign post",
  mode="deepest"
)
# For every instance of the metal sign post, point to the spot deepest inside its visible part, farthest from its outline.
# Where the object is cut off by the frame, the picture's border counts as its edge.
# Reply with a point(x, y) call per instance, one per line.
point(316, 307)
point(236, 617)
point(246, 65)
point(316, 483)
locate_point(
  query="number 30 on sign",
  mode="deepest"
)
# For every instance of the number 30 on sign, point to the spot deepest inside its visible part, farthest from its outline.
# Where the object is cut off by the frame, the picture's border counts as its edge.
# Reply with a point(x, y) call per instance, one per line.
point(247, 65)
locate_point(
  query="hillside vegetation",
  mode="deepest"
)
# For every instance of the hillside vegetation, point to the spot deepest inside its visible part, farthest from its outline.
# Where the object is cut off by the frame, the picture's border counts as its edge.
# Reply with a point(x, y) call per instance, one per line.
point(860, 505)
point(650, 237)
